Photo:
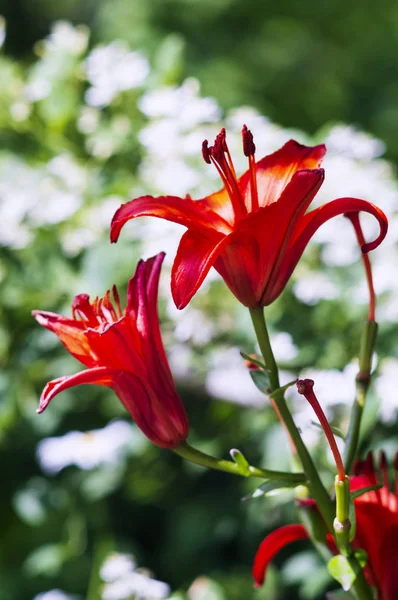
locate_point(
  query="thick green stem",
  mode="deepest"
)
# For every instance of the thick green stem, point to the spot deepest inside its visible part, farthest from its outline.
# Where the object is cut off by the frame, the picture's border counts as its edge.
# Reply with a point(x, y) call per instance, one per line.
point(318, 490)
point(361, 389)
point(205, 460)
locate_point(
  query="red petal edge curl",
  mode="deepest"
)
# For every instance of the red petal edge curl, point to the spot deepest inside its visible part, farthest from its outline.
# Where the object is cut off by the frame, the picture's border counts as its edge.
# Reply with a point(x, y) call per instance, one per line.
point(274, 542)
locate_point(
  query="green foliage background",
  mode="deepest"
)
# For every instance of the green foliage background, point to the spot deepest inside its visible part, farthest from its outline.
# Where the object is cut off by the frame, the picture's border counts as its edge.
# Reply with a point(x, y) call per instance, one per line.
point(301, 64)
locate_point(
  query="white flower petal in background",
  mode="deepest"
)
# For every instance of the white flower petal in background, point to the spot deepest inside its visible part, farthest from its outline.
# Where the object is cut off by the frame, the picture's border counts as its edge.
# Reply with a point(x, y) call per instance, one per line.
point(54, 595)
point(229, 379)
point(67, 38)
point(113, 69)
point(313, 287)
point(386, 389)
point(117, 566)
point(125, 582)
point(347, 140)
point(181, 103)
point(87, 450)
point(283, 346)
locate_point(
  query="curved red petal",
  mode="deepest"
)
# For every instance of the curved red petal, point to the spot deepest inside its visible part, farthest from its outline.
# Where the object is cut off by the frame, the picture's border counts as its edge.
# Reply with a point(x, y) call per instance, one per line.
point(72, 334)
point(310, 223)
point(196, 254)
point(179, 210)
point(274, 542)
point(97, 376)
point(254, 251)
point(275, 171)
point(161, 417)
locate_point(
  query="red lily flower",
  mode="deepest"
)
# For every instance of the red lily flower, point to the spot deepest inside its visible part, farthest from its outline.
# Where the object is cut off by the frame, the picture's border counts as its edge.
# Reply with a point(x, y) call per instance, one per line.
point(255, 229)
point(376, 530)
point(123, 350)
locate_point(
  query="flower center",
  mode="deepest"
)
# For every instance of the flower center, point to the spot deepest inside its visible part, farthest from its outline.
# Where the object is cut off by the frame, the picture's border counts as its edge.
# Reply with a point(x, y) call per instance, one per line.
point(99, 312)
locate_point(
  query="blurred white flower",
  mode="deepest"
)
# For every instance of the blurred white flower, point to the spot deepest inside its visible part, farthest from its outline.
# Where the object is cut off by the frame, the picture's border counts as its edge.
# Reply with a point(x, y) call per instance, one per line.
point(312, 287)
point(65, 37)
point(116, 566)
point(65, 167)
point(37, 89)
point(347, 140)
point(229, 379)
point(54, 595)
point(113, 69)
point(283, 346)
point(88, 119)
point(191, 324)
point(135, 585)
point(86, 450)
point(386, 390)
point(34, 196)
point(20, 111)
point(125, 582)
point(182, 103)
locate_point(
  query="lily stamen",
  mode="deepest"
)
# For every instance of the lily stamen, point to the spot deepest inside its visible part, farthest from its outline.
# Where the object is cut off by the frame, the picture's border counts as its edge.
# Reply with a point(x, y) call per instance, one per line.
point(249, 148)
point(305, 387)
point(219, 155)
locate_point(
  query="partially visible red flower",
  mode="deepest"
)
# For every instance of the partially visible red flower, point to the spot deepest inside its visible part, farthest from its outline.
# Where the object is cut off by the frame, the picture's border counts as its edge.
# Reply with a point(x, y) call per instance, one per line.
point(255, 229)
point(376, 530)
point(123, 349)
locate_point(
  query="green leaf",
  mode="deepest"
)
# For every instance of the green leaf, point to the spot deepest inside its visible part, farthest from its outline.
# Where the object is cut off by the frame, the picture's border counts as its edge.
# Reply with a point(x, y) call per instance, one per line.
point(370, 488)
point(271, 488)
point(344, 571)
point(261, 381)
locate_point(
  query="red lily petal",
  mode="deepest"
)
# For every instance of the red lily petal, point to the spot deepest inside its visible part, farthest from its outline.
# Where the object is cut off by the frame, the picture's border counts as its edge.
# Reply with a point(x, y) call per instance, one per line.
point(72, 334)
point(274, 172)
point(274, 542)
point(309, 224)
point(142, 295)
point(161, 417)
point(196, 254)
point(220, 203)
point(389, 562)
point(179, 210)
point(256, 249)
point(97, 376)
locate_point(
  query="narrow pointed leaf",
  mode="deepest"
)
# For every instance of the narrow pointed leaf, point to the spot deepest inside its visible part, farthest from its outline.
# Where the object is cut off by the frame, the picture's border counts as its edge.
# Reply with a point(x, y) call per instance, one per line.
point(271, 488)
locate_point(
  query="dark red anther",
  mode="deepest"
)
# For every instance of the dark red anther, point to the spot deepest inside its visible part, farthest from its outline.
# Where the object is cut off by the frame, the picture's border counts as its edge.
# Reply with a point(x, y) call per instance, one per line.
point(249, 147)
point(370, 465)
point(304, 386)
point(357, 468)
point(206, 151)
point(396, 461)
point(383, 460)
point(220, 146)
point(384, 468)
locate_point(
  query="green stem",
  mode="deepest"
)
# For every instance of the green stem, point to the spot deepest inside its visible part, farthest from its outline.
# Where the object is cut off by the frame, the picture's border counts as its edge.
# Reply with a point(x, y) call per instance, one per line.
point(323, 501)
point(318, 490)
point(361, 388)
point(360, 587)
point(205, 460)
